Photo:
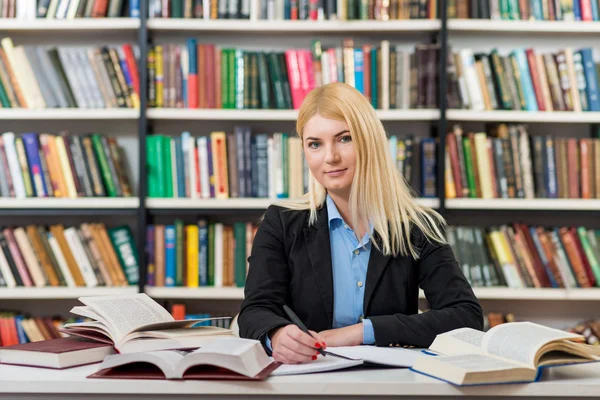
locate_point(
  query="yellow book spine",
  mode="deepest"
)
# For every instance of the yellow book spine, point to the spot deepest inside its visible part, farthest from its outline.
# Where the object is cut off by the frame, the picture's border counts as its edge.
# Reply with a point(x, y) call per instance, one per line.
point(219, 150)
point(191, 232)
point(159, 67)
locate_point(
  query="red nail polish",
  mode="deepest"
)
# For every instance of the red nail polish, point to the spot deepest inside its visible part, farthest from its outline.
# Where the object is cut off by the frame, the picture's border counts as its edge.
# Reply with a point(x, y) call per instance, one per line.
point(323, 345)
point(314, 357)
point(318, 345)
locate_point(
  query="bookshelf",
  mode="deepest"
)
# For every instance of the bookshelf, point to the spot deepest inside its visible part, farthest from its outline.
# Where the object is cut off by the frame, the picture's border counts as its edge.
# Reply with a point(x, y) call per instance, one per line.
point(81, 25)
point(69, 114)
point(548, 28)
point(62, 293)
point(563, 117)
point(524, 204)
point(66, 203)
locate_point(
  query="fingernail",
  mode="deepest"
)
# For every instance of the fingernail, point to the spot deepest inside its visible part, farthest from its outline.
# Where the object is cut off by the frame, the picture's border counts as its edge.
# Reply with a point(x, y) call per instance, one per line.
point(318, 345)
point(314, 357)
point(324, 345)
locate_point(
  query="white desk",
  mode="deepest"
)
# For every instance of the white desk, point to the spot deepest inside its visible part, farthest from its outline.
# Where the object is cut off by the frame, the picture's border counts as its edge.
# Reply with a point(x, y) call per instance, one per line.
point(36, 383)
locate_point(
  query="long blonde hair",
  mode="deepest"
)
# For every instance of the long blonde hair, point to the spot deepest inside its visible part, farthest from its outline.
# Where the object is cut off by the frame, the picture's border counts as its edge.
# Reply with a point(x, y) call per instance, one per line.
point(378, 191)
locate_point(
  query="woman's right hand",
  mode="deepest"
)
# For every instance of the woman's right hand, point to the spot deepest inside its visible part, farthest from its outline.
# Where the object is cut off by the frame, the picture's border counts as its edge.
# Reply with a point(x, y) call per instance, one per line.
point(292, 346)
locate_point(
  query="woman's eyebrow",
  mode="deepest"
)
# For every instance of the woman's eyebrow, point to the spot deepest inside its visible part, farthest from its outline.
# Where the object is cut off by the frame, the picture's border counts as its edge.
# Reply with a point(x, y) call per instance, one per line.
point(336, 135)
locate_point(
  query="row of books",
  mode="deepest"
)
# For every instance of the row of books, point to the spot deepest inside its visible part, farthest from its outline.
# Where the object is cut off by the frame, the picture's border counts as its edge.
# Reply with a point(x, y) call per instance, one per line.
point(87, 255)
point(539, 10)
point(590, 329)
point(208, 76)
point(17, 328)
point(294, 10)
point(243, 165)
point(68, 9)
point(520, 256)
point(509, 163)
point(179, 313)
point(201, 254)
point(566, 80)
point(85, 77)
point(63, 165)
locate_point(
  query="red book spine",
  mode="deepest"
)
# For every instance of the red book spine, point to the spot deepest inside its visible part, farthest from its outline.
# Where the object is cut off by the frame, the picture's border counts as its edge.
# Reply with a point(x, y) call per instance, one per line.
point(586, 10)
point(535, 78)
point(100, 9)
point(291, 59)
point(132, 66)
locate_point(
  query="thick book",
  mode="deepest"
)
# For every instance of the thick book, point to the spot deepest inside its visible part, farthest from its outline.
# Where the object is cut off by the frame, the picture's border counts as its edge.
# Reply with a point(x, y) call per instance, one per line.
point(136, 323)
point(56, 353)
point(513, 352)
point(223, 358)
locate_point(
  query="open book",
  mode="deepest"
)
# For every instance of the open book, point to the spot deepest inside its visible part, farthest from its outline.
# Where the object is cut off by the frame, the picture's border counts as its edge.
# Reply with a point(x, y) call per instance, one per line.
point(135, 323)
point(507, 353)
point(223, 358)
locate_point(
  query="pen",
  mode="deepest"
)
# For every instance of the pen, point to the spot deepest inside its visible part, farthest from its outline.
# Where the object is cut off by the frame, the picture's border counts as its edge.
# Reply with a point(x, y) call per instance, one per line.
point(297, 321)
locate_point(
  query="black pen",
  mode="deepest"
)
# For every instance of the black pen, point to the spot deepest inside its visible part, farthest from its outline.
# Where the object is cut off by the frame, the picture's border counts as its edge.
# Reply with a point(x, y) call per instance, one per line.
point(297, 321)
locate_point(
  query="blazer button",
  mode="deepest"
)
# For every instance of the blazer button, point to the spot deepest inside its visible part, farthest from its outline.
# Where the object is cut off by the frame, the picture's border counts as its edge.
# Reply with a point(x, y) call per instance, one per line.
point(391, 345)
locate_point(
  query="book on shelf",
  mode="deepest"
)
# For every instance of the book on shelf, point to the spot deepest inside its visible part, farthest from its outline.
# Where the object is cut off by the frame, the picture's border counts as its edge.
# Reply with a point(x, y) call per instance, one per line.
point(205, 254)
point(63, 166)
point(509, 163)
point(211, 76)
point(294, 10)
point(520, 256)
point(524, 79)
point(28, 10)
point(38, 77)
point(537, 10)
point(243, 164)
point(56, 353)
point(88, 255)
point(508, 353)
point(20, 329)
point(136, 323)
point(221, 358)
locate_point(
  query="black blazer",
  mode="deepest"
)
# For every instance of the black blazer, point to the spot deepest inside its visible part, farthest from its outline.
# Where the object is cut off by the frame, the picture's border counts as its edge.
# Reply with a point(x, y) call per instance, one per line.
point(291, 264)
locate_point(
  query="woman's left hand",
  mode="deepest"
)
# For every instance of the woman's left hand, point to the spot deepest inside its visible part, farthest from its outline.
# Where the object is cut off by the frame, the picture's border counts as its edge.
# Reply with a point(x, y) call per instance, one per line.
point(348, 336)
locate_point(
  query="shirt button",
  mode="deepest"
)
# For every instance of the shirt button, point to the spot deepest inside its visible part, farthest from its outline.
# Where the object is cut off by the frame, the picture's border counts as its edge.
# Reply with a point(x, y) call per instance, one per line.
point(346, 226)
point(356, 251)
point(361, 318)
point(359, 283)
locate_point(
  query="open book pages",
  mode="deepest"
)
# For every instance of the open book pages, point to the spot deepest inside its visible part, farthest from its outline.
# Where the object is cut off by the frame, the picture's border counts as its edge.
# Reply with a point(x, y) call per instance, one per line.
point(511, 352)
point(321, 364)
point(381, 356)
point(123, 320)
point(225, 357)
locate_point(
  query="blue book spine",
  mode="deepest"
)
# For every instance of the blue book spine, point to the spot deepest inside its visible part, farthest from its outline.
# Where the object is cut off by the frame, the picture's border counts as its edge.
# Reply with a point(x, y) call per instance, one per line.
point(134, 8)
point(595, 10)
point(254, 167)
point(577, 10)
point(20, 331)
point(287, 10)
point(374, 79)
point(32, 150)
point(542, 254)
point(248, 160)
point(192, 56)
point(262, 164)
point(536, 9)
point(203, 252)
point(393, 145)
point(179, 164)
point(359, 68)
point(552, 186)
point(170, 268)
point(530, 100)
point(591, 78)
point(240, 160)
point(211, 173)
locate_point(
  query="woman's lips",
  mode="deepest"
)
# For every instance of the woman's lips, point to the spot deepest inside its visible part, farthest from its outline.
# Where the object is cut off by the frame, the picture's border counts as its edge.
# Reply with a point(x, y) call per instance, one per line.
point(337, 172)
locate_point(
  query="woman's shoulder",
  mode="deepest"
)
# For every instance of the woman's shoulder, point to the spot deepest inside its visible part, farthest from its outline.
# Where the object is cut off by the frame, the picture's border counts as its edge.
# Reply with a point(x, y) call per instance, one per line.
point(280, 214)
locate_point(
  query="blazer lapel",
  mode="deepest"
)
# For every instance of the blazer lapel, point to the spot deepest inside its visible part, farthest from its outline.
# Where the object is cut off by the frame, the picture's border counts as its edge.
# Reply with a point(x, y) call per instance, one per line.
point(377, 264)
point(319, 252)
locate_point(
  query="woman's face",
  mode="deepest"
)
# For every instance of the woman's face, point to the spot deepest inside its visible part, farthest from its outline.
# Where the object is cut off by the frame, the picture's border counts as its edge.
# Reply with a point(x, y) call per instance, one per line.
point(329, 153)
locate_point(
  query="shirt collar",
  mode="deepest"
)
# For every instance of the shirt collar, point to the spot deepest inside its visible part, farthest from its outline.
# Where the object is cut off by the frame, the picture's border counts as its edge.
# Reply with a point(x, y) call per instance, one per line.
point(332, 211)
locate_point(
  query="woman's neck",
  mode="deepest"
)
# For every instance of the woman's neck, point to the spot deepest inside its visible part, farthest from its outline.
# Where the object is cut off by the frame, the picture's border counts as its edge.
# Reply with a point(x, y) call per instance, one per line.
point(342, 202)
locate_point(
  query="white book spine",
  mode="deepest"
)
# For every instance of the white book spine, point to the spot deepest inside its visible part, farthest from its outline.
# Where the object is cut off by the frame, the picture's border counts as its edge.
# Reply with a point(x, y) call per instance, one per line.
point(13, 164)
point(21, 78)
point(51, 14)
point(254, 9)
point(6, 272)
point(206, 8)
point(218, 255)
point(203, 161)
point(81, 55)
point(185, 150)
point(81, 258)
point(525, 158)
point(60, 259)
point(472, 82)
point(61, 11)
point(35, 270)
point(192, 167)
point(72, 11)
point(385, 75)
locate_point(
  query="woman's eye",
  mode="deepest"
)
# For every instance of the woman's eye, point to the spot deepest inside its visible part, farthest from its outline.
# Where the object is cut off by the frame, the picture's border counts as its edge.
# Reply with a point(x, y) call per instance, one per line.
point(313, 145)
point(346, 139)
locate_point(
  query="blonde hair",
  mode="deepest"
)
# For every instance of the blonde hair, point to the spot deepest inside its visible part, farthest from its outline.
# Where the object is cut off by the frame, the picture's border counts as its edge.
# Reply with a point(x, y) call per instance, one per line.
point(378, 191)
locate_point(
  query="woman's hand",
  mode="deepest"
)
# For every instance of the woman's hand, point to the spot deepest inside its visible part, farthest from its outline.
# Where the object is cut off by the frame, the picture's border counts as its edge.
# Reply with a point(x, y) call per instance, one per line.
point(292, 346)
point(348, 336)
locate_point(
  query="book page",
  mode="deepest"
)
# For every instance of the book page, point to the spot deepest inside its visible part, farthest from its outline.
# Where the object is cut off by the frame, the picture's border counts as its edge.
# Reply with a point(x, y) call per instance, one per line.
point(321, 364)
point(388, 356)
point(127, 313)
point(475, 362)
point(459, 341)
point(165, 360)
point(520, 341)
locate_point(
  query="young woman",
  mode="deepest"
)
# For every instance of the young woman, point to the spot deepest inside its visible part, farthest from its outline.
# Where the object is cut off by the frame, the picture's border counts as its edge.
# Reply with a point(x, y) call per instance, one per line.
point(349, 257)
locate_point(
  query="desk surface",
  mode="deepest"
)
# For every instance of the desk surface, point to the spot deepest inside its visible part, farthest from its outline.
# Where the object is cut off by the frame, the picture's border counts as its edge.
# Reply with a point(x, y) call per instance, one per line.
point(581, 380)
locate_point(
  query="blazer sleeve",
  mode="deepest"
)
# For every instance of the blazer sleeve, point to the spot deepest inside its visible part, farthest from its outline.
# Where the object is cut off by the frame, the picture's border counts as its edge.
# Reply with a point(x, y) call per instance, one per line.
point(267, 283)
point(452, 302)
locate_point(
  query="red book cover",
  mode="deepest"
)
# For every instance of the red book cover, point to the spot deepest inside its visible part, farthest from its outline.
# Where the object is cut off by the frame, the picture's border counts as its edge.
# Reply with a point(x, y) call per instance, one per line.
point(100, 9)
point(586, 10)
point(540, 271)
point(293, 71)
point(454, 163)
point(132, 67)
point(535, 78)
point(585, 176)
point(17, 257)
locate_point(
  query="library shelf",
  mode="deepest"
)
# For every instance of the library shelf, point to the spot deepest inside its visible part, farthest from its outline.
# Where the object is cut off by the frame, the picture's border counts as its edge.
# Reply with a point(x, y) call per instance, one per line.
point(70, 203)
point(233, 203)
point(524, 204)
point(69, 114)
point(78, 24)
point(208, 293)
point(274, 115)
point(26, 293)
point(268, 27)
point(524, 116)
point(529, 26)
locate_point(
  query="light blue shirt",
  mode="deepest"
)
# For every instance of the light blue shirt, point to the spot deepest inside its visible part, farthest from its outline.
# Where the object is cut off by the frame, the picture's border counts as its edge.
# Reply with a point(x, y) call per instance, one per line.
point(350, 259)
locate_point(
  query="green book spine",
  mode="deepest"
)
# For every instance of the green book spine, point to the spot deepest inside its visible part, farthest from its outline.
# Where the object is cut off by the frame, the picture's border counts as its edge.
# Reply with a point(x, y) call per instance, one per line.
point(22, 157)
point(254, 81)
point(232, 74)
point(177, 8)
point(285, 81)
point(374, 79)
point(179, 252)
point(111, 190)
point(514, 10)
point(589, 252)
point(469, 167)
point(152, 167)
point(247, 87)
point(167, 167)
point(505, 9)
point(225, 79)
point(4, 100)
point(517, 77)
point(499, 75)
point(211, 254)
point(263, 79)
point(122, 241)
point(239, 233)
point(275, 78)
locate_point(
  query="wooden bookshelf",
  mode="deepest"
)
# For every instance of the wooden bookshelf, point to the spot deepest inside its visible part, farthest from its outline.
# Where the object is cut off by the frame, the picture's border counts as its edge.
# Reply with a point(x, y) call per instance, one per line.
point(505, 26)
point(26, 293)
point(269, 27)
point(79, 24)
point(273, 115)
point(67, 203)
point(70, 114)
point(524, 204)
point(524, 116)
